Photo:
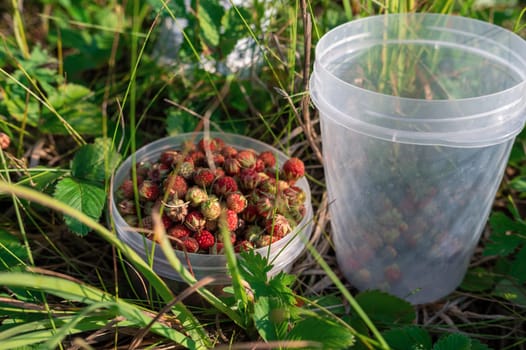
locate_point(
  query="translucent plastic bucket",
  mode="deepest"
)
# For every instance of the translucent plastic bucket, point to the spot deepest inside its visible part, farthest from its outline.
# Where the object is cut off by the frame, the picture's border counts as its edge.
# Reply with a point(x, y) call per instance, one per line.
point(281, 254)
point(418, 115)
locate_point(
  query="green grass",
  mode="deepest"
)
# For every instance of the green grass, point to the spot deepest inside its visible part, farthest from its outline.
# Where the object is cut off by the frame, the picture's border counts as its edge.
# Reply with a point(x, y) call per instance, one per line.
point(81, 88)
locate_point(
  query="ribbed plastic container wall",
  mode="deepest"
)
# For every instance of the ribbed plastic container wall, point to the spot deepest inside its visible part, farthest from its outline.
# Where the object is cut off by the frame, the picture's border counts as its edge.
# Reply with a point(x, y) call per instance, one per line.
point(418, 114)
point(281, 254)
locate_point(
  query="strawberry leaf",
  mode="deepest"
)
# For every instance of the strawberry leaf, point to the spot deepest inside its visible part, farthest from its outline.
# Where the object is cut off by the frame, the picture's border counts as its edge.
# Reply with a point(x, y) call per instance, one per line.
point(511, 291)
point(518, 267)
point(83, 196)
point(504, 238)
point(478, 280)
point(271, 318)
point(95, 161)
point(12, 252)
point(385, 309)
point(453, 342)
point(323, 331)
point(408, 338)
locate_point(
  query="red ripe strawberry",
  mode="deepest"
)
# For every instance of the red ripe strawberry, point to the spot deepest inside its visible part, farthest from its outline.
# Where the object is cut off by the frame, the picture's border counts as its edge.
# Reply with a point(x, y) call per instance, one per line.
point(250, 213)
point(166, 221)
point(147, 222)
point(211, 208)
point(219, 172)
point(268, 159)
point(236, 201)
point(197, 157)
point(294, 195)
point(148, 190)
point(259, 166)
point(158, 171)
point(176, 185)
point(168, 157)
point(228, 220)
point(218, 159)
point(125, 189)
point(195, 221)
point(231, 166)
point(265, 240)
point(278, 226)
point(269, 186)
point(228, 151)
point(249, 179)
point(264, 205)
point(292, 169)
point(205, 239)
point(219, 142)
point(204, 177)
point(206, 144)
point(224, 185)
point(196, 195)
point(247, 158)
point(188, 244)
point(179, 231)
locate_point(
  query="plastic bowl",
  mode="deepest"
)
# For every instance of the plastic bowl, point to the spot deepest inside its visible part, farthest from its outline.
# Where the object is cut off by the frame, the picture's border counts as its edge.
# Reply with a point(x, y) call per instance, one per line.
point(282, 253)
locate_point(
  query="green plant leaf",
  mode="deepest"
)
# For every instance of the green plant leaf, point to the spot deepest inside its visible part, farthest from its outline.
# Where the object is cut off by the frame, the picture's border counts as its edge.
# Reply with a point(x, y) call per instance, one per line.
point(324, 331)
point(408, 338)
point(95, 161)
point(478, 280)
point(12, 252)
point(504, 238)
point(209, 14)
point(511, 291)
point(518, 267)
point(453, 342)
point(271, 318)
point(83, 196)
point(233, 28)
point(385, 309)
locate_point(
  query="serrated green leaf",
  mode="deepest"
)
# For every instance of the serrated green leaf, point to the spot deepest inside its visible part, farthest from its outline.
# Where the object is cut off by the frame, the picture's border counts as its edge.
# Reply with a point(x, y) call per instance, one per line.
point(324, 331)
point(72, 103)
point(233, 28)
point(209, 14)
point(178, 121)
point(453, 342)
point(271, 318)
point(518, 267)
point(477, 280)
point(511, 291)
point(504, 239)
point(385, 309)
point(408, 338)
point(83, 196)
point(95, 161)
point(12, 252)
point(41, 178)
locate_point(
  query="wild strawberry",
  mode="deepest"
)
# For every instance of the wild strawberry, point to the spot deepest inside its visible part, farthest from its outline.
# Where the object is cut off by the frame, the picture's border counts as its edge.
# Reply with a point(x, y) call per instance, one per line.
point(278, 226)
point(250, 213)
point(148, 190)
point(218, 159)
point(168, 157)
point(246, 158)
point(236, 201)
point(147, 222)
point(188, 244)
point(143, 167)
point(253, 233)
point(243, 246)
point(294, 195)
point(232, 236)
point(206, 144)
point(231, 166)
point(297, 213)
point(211, 225)
point(176, 186)
point(268, 159)
point(125, 189)
point(126, 207)
point(228, 220)
point(224, 185)
point(158, 171)
point(211, 208)
point(204, 177)
point(249, 179)
point(131, 220)
point(197, 157)
point(219, 172)
point(5, 140)
point(269, 186)
point(219, 143)
point(264, 205)
point(205, 239)
point(185, 169)
point(292, 169)
point(392, 273)
point(195, 221)
point(259, 166)
point(196, 195)
point(179, 231)
point(266, 240)
point(176, 209)
point(228, 151)
point(166, 221)
point(364, 276)
point(147, 207)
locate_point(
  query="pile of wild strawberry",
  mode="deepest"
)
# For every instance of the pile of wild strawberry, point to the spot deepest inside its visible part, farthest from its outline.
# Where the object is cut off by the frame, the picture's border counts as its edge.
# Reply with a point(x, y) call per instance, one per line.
point(205, 188)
